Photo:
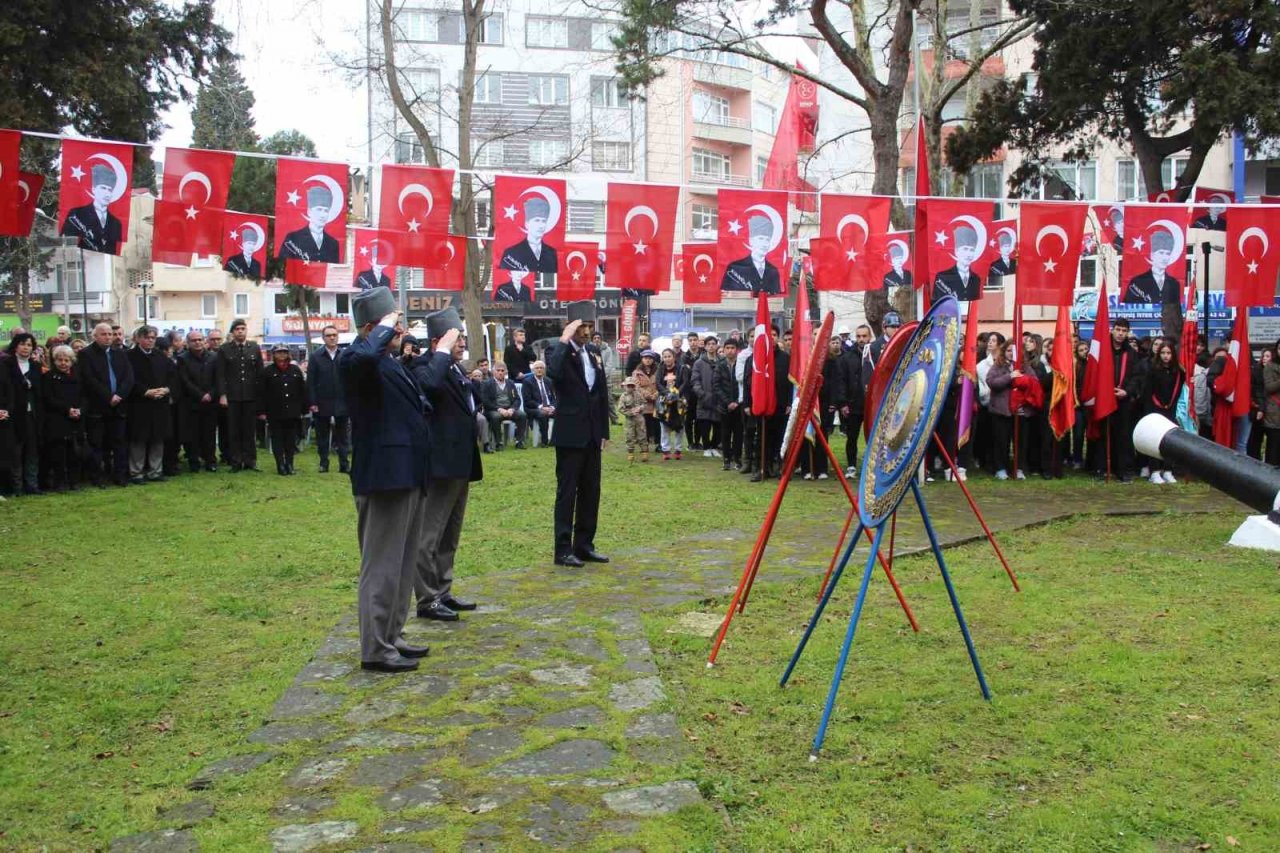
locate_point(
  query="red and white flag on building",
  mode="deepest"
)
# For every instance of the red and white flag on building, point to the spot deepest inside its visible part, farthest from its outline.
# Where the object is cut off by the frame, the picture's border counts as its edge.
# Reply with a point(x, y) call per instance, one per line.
point(93, 201)
point(701, 281)
point(576, 277)
point(1253, 263)
point(640, 235)
point(10, 167)
point(193, 198)
point(1051, 239)
point(1106, 228)
point(377, 255)
point(415, 201)
point(311, 212)
point(244, 244)
point(752, 242)
point(796, 129)
point(1154, 239)
point(447, 269)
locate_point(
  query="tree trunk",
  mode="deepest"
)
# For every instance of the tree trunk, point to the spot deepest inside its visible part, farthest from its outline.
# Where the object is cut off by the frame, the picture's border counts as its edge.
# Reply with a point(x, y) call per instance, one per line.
point(464, 215)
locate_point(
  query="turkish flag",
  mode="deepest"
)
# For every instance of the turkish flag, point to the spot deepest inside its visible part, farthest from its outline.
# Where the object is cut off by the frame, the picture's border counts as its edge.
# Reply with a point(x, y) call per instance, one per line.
point(923, 189)
point(959, 250)
point(1051, 238)
point(18, 213)
point(752, 241)
point(377, 253)
point(1099, 393)
point(831, 268)
point(802, 346)
point(1240, 358)
point(764, 394)
point(640, 234)
point(968, 378)
point(1107, 228)
point(1211, 212)
point(1269, 199)
point(858, 224)
point(1252, 267)
point(528, 231)
point(305, 273)
point(93, 201)
point(311, 211)
point(1062, 397)
point(447, 267)
point(701, 279)
point(10, 167)
point(244, 244)
point(195, 185)
point(1154, 240)
point(417, 201)
point(576, 277)
point(1177, 195)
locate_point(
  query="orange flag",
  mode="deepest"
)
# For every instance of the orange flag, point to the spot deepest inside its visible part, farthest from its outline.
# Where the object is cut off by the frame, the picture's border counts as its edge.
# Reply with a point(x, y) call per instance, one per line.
point(1062, 401)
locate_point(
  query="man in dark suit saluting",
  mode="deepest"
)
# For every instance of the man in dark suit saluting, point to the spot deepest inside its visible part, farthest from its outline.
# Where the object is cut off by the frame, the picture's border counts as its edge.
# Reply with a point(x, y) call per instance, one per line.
point(313, 243)
point(94, 224)
point(582, 428)
point(388, 475)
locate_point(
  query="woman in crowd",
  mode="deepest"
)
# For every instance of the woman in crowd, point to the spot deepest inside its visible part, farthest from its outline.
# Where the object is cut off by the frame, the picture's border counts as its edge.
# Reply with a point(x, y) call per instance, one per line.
point(282, 399)
point(1082, 414)
point(673, 378)
point(63, 425)
point(1162, 386)
point(646, 374)
point(1026, 400)
point(1258, 403)
point(1271, 401)
point(23, 375)
point(1000, 382)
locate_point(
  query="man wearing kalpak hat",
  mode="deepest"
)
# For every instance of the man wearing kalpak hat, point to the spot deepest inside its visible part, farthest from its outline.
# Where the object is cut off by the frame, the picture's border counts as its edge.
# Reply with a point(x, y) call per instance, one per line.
point(531, 254)
point(94, 224)
point(453, 464)
point(313, 243)
point(388, 476)
point(582, 428)
point(755, 273)
point(245, 264)
point(959, 280)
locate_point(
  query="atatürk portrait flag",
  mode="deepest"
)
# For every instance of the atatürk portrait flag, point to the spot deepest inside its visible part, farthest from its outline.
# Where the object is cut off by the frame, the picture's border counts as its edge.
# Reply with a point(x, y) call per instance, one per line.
point(1253, 258)
point(376, 256)
point(640, 233)
point(1050, 240)
point(1212, 216)
point(528, 232)
point(17, 214)
point(701, 282)
point(576, 278)
point(1154, 240)
point(93, 202)
point(416, 201)
point(311, 210)
point(244, 244)
point(752, 241)
point(957, 249)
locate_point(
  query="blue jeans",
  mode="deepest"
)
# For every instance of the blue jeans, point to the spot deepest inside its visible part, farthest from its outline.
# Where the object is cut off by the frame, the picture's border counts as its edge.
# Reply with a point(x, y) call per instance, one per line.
point(1243, 427)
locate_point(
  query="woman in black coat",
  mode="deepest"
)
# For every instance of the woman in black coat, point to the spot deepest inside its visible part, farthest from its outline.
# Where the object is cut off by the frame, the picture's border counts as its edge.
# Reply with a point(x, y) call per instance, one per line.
point(22, 374)
point(282, 400)
point(61, 403)
point(1161, 387)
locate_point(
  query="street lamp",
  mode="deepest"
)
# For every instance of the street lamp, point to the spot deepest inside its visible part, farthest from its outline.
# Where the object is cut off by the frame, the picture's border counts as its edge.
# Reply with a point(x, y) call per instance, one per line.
point(144, 285)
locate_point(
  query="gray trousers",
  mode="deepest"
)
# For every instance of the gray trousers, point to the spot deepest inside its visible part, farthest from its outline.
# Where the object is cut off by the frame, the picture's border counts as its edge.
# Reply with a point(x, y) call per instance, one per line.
point(145, 458)
point(389, 525)
point(443, 506)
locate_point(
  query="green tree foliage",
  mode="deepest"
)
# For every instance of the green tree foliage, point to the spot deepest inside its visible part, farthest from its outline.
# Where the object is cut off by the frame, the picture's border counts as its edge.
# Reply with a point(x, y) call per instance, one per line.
point(1159, 76)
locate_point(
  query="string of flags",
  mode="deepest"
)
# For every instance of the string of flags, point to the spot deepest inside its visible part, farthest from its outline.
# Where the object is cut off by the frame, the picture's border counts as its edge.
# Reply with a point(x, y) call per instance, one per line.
point(955, 247)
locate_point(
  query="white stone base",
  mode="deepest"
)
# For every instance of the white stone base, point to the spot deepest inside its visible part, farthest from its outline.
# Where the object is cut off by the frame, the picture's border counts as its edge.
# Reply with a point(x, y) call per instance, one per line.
point(1257, 532)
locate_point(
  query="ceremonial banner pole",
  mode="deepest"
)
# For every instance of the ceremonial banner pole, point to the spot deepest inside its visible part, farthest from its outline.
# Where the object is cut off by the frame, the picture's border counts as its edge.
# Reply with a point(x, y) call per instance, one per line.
point(973, 505)
point(835, 555)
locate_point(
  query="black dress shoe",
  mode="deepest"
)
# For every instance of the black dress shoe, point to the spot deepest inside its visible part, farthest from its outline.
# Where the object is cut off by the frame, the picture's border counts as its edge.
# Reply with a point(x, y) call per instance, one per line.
point(399, 663)
point(569, 560)
point(138, 481)
point(454, 604)
point(756, 476)
point(439, 611)
point(324, 467)
point(591, 556)
point(409, 651)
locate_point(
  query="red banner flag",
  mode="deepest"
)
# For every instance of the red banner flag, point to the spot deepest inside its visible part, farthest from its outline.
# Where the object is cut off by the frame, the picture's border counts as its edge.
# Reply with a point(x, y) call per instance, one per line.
point(752, 242)
point(1062, 397)
point(1154, 239)
point(197, 183)
point(640, 235)
point(764, 395)
point(969, 378)
point(858, 225)
point(1210, 214)
point(311, 212)
point(701, 280)
point(782, 170)
point(18, 213)
point(958, 249)
point(1252, 267)
point(10, 166)
point(417, 202)
point(830, 265)
point(1238, 353)
point(244, 244)
point(448, 263)
point(802, 336)
point(576, 277)
point(1099, 393)
point(377, 253)
point(1177, 195)
point(923, 189)
point(1050, 242)
point(93, 202)
point(1108, 228)
point(528, 232)
point(305, 273)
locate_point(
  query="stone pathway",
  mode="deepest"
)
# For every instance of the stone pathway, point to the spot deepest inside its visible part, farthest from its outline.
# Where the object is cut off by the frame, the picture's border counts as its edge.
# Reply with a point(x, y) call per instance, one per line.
point(541, 719)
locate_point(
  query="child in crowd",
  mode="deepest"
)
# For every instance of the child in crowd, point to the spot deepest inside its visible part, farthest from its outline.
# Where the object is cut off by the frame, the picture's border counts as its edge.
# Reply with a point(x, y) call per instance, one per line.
point(632, 405)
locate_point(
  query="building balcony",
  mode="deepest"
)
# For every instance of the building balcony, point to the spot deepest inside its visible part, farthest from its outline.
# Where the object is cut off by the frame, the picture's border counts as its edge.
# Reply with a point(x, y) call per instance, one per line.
point(700, 176)
point(722, 75)
point(736, 131)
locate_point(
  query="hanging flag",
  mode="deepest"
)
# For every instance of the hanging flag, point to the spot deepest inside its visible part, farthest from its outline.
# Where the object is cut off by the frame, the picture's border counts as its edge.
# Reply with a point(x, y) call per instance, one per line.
point(802, 335)
point(187, 219)
point(1187, 358)
point(10, 167)
point(858, 225)
point(576, 277)
point(752, 241)
point(447, 269)
point(640, 234)
point(1002, 248)
point(764, 399)
point(1252, 268)
point(1177, 195)
point(311, 211)
point(1108, 227)
point(18, 213)
point(1050, 242)
point(1154, 239)
point(782, 171)
point(1238, 352)
point(1211, 215)
point(894, 260)
point(968, 377)
point(244, 244)
point(958, 249)
point(93, 201)
point(528, 232)
point(923, 189)
point(701, 281)
point(305, 273)
point(829, 265)
point(417, 202)
point(1099, 393)
point(806, 94)
point(376, 256)
point(1062, 397)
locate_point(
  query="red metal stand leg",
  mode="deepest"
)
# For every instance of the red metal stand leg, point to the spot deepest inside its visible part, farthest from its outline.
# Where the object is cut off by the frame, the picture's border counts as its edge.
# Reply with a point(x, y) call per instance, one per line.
point(973, 505)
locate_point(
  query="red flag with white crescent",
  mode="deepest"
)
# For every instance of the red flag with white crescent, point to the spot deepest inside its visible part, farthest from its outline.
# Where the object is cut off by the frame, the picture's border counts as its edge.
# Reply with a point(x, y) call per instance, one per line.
point(1252, 262)
point(958, 250)
point(858, 225)
point(528, 233)
point(305, 273)
point(1155, 240)
point(10, 167)
point(1050, 240)
point(701, 281)
point(802, 338)
point(1210, 212)
point(448, 263)
point(576, 278)
point(18, 214)
point(416, 201)
point(1099, 393)
point(93, 200)
point(244, 244)
point(752, 250)
point(377, 256)
point(1239, 355)
point(311, 210)
point(764, 394)
point(193, 197)
point(640, 235)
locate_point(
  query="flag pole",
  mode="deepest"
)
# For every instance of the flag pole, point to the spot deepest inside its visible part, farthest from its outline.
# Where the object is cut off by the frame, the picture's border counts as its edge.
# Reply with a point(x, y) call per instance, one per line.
point(973, 505)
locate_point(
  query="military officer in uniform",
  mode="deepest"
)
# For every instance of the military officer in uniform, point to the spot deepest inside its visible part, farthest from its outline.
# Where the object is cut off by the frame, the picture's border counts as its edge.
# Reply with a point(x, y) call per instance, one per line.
point(239, 365)
point(282, 400)
point(959, 280)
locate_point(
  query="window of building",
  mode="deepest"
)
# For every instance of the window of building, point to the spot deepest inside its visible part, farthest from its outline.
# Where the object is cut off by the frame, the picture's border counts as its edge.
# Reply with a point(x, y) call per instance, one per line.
point(605, 92)
point(145, 311)
point(409, 278)
point(709, 164)
point(409, 149)
point(602, 34)
point(342, 303)
point(241, 307)
point(491, 29)
point(546, 32)
point(1129, 183)
point(611, 156)
point(488, 89)
point(1170, 170)
point(484, 217)
point(1088, 272)
point(985, 180)
point(1067, 181)
point(280, 303)
point(487, 153)
point(208, 306)
point(545, 153)
point(710, 108)
point(704, 217)
point(548, 90)
point(762, 165)
point(423, 83)
point(764, 118)
point(585, 217)
point(1271, 180)
point(419, 24)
